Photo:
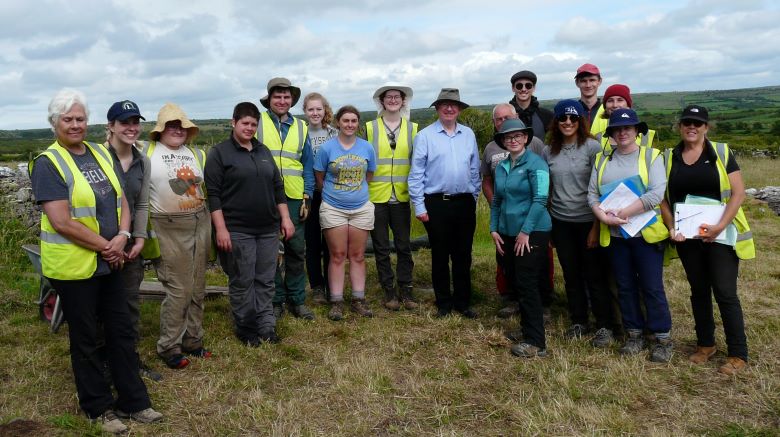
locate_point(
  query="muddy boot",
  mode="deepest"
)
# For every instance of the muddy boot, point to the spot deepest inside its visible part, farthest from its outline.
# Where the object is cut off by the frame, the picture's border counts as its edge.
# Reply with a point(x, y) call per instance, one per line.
point(361, 307)
point(408, 298)
point(391, 299)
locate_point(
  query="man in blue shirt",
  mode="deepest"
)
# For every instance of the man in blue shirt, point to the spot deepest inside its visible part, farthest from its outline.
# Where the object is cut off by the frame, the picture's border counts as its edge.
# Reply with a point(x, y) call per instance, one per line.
point(444, 184)
point(288, 140)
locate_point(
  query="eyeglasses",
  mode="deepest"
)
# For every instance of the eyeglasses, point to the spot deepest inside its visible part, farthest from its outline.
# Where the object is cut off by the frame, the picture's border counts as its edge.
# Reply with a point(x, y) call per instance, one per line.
point(697, 123)
point(527, 85)
point(398, 97)
point(517, 139)
point(570, 117)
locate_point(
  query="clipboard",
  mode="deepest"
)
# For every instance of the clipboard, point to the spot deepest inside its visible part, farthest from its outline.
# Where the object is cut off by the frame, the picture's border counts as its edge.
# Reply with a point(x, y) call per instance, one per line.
point(688, 217)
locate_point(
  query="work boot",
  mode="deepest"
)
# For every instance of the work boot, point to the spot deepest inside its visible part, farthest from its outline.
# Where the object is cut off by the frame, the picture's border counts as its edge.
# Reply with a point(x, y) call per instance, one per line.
point(301, 312)
point(702, 354)
point(407, 297)
point(336, 312)
point(634, 343)
point(732, 366)
point(391, 299)
point(603, 338)
point(278, 310)
point(662, 350)
point(318, 295)
point(361, 307)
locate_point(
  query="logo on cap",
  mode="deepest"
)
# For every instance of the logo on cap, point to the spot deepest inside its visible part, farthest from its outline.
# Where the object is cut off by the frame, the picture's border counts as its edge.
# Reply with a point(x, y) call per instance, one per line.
point(128, 106)
point(694, 109)
point(625, 115)
point(570, 110)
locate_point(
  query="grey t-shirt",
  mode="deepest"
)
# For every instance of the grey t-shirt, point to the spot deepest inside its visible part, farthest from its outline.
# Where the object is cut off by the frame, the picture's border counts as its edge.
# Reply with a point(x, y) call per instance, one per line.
point(47, 185)
point(624, 166)
point(569, 177)
point(318, 136)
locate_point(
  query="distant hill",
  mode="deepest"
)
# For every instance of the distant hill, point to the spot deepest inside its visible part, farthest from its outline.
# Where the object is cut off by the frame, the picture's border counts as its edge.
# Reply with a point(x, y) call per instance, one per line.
point(747, 118)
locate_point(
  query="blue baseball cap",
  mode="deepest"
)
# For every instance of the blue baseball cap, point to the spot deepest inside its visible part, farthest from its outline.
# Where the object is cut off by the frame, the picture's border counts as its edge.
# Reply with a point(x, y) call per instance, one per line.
point(569, 107)
point(625, 117)
point(123, 110)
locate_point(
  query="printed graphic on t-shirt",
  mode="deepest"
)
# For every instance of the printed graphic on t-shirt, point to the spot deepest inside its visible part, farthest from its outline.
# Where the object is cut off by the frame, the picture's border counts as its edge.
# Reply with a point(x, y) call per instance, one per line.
point(97, 178)
point(176, 180)
point(495, 159)
point(348, 171)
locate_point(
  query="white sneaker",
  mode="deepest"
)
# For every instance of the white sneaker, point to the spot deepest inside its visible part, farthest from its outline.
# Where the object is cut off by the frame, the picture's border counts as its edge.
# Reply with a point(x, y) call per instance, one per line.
point(110, 423)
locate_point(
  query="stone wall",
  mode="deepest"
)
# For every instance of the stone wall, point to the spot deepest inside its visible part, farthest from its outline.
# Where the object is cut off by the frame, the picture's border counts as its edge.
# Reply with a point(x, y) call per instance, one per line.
point(16, 195)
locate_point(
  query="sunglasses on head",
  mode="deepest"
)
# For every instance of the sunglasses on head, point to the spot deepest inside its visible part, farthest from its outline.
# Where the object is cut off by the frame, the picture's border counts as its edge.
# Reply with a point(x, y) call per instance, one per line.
point(697, 123)
point(570, 117)
point(526, 85)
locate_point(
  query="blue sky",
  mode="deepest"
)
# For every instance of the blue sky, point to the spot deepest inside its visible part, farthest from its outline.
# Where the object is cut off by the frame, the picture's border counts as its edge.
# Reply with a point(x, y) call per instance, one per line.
point(207, 56)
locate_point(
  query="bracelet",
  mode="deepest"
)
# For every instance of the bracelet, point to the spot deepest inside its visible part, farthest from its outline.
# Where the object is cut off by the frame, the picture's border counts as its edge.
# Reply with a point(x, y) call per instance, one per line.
point(126, 234)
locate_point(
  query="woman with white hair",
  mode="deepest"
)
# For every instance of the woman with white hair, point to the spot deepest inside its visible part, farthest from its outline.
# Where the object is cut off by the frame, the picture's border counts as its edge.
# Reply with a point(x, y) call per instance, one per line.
point(392, 134)
point(85, 226)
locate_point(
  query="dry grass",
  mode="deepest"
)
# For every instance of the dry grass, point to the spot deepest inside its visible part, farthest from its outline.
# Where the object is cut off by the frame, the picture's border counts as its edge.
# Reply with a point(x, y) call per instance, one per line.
point(411, 374)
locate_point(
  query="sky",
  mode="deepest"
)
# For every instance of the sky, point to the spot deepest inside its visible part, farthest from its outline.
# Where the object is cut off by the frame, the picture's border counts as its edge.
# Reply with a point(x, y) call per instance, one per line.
point(208, 55)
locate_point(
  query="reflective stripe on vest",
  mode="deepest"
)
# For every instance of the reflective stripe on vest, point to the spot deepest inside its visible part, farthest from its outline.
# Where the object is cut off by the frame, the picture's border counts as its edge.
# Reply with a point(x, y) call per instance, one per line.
point(653, 233)
point(287, 155)
point(393, 165)
point(60, 257)
point(151, 248)
point(745, 246)
point(641, 140)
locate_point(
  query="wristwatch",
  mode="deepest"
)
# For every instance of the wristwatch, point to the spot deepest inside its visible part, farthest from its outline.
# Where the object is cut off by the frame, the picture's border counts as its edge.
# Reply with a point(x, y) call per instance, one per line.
point(126, 234)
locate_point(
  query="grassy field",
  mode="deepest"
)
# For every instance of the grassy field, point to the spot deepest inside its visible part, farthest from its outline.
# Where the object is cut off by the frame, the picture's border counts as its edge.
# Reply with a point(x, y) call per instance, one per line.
point(408, 373)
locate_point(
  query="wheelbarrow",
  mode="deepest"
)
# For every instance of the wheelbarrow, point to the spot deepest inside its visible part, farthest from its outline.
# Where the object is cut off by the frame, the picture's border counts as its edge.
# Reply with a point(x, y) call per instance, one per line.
point(49, 307)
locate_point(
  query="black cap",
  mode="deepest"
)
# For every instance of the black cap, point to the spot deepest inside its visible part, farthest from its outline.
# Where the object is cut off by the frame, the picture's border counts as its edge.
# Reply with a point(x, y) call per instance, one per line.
point(695, 112)
point(525, 74)
point(123, 110)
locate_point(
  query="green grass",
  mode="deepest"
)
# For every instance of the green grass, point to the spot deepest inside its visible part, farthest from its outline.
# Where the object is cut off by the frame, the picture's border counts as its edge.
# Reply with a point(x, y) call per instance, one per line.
point(410, 374)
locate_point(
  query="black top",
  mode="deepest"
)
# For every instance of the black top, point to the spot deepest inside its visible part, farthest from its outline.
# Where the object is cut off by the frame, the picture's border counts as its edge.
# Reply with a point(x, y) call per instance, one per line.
point(700, 178)
point(246, 186)
point(534, 116)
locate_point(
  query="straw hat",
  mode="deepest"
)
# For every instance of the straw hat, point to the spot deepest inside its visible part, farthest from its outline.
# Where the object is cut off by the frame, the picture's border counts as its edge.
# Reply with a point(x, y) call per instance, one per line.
point(172, 112)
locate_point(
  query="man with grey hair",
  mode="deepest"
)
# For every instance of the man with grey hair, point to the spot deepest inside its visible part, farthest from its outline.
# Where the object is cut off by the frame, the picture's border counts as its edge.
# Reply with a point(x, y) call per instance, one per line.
point(492, 155)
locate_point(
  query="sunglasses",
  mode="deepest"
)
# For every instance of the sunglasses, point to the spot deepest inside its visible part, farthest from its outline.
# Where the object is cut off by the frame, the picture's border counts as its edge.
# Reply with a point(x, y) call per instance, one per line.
point(571, 118)
point(526, 85)
point(697, 123)
point(391, 139)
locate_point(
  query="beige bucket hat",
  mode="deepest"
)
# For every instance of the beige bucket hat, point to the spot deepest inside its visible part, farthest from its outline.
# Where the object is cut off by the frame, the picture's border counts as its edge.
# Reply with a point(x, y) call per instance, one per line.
point(172, 112)
point(405, 109)
point(280, 82)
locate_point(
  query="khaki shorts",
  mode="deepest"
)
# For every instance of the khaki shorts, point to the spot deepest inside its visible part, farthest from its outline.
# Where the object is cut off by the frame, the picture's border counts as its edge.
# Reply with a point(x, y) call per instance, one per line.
point(361, 218)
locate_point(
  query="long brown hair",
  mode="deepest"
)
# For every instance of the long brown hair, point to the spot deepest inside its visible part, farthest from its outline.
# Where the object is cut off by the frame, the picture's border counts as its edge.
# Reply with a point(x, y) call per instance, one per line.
point(555, 136)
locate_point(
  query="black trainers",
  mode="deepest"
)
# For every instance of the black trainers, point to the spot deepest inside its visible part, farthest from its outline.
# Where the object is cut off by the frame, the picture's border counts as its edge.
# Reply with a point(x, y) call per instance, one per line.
point(301, 312)
point(662, 350)
point(270, 336)
point(468, 313)
point(147, 372)
point(278, 310)
point(177, 361)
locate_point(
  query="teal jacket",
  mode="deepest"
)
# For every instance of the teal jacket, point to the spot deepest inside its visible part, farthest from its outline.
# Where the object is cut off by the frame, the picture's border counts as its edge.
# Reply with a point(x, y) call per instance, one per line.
point(520, 196)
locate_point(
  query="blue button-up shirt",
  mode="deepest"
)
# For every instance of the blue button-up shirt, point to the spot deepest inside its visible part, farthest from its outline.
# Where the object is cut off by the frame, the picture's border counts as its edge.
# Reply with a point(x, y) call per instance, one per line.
point(443, 164)
point(307, 157)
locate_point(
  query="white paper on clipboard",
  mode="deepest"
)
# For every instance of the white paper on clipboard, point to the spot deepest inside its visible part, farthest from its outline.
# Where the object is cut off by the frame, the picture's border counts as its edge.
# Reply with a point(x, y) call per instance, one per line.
point(688, 218)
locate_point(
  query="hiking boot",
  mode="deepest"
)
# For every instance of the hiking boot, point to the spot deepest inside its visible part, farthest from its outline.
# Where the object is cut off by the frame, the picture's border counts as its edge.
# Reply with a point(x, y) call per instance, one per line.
point(391, 300)
point(512, 308)
point(302, 312)
point(200, 352)
point(468, 313)
point(278, 310)
point(144, 416)
point(318, 295)
point(634, 344)
point(732, 366)
point(662, 350)
point(576, 331)
point(407, 297)
point(177, 361)
point(526, 350)
point(147, 372)
point(442, 312)
point(602, 338)
point(361, 307)
point(270, 336)
point(702, 354)
point(515, 335)
point(110, 423)
point(336, 311)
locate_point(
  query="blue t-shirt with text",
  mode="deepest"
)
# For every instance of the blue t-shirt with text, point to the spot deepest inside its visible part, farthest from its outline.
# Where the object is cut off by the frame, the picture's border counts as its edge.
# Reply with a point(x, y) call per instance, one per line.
point(345, 185)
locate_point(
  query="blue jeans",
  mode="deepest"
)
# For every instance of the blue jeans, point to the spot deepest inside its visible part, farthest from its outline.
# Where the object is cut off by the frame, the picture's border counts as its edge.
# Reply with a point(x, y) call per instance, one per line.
point(638, 268)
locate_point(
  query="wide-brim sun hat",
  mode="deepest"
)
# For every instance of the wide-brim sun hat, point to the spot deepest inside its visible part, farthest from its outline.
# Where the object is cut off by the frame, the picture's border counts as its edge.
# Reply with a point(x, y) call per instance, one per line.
point(625, 117)
point(280, 82)
point(172, 112)
point(450, 95)
point(513, 125)
point(407, 104)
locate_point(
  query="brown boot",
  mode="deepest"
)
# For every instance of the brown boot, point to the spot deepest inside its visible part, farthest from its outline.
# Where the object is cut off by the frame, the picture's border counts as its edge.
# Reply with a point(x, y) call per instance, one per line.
point(408, 298)
point(391, 299)
point(732, 366)
point(336, 311)
point(361, 307)
point(702, 354)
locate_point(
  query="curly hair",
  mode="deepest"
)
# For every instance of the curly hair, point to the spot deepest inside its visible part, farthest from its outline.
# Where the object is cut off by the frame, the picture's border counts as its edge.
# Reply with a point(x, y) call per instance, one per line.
point(555, 136)
point(327, 119)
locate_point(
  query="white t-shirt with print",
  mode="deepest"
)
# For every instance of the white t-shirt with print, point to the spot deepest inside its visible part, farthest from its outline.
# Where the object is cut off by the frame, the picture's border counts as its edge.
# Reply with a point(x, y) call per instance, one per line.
point(175, 180)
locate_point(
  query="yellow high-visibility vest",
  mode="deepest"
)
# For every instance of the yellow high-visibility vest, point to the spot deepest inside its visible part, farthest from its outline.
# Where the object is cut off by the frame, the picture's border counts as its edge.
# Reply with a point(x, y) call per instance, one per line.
point(61, 258)
point(392, 165)
point(653, 233)
point(745, 247)
point(287, 156)
point(641, 140)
